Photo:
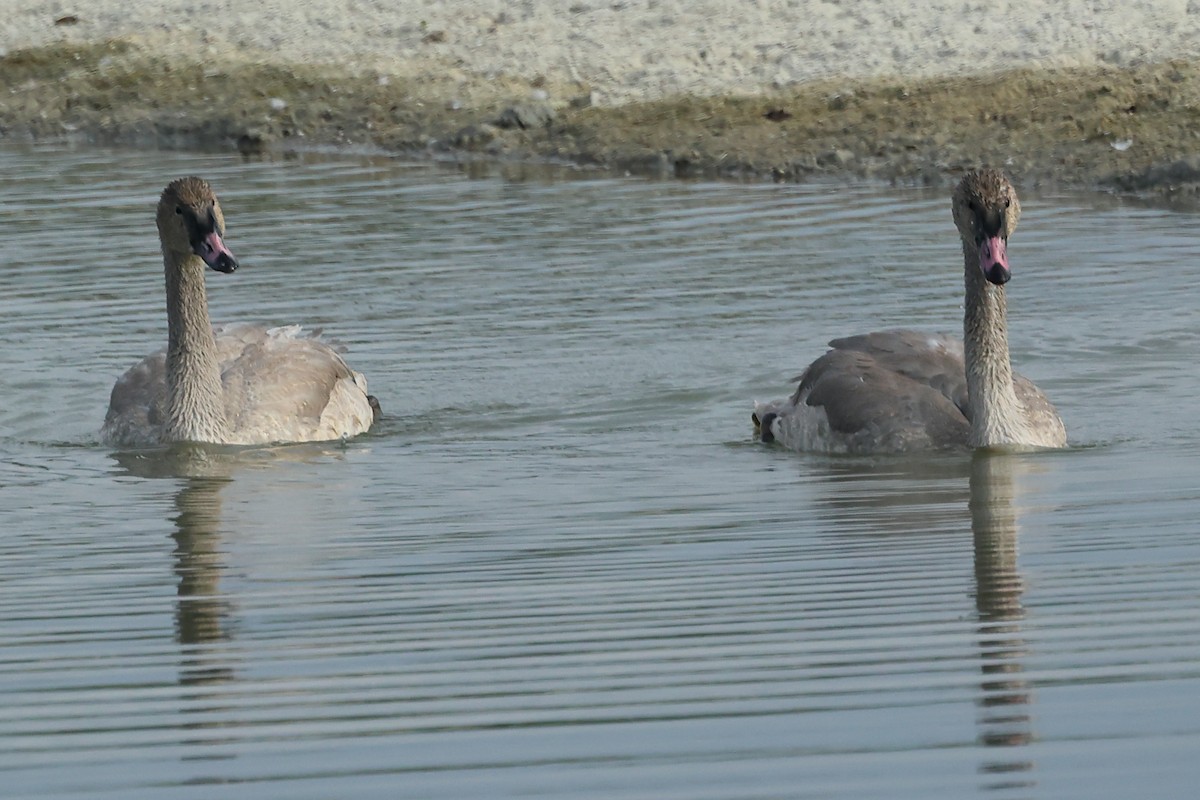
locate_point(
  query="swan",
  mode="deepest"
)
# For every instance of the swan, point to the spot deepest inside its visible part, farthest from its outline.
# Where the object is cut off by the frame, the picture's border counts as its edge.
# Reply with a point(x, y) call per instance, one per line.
point(234, 384)
point(902, 390)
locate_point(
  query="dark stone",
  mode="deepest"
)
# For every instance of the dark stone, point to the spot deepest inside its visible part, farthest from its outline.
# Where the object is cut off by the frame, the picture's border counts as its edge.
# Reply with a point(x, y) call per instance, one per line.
point(526, 116)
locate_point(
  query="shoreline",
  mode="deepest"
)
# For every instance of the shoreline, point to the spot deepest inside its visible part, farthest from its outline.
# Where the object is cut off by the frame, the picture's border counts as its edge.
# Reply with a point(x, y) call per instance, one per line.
point(1115, 129)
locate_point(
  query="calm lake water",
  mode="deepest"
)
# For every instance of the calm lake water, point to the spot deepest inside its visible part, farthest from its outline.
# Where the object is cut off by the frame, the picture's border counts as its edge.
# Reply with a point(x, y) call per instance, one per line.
point(561, 567)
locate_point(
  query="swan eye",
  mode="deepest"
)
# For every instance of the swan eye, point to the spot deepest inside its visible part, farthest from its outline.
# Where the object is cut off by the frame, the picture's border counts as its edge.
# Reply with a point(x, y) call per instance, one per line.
point(1007, 202)
point(179, 210)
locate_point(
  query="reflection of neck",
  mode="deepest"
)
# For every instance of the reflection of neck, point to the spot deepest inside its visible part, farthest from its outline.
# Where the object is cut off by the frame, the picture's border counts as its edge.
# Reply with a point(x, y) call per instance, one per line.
point(994, 525)
point(998, 601)
point(198, 561)
point(997, 417)
point(195, 400)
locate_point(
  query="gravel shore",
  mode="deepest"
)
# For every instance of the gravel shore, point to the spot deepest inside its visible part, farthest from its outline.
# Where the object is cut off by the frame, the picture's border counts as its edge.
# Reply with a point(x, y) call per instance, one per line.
point(1085, 94)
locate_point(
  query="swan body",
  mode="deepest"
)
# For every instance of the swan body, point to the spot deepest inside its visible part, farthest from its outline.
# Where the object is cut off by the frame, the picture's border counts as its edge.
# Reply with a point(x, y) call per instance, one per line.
point(902, 390)
point(233, 384)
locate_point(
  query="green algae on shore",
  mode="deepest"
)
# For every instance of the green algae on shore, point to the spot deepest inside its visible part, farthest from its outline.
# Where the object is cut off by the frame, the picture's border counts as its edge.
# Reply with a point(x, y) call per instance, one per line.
point(1131, 129)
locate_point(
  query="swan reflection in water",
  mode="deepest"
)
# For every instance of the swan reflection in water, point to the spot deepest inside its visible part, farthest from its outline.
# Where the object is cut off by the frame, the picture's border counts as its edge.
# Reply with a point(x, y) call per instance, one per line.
point(208, 649)
point(897, 498)
point(202, 611)
point(208, 660)
point(1005, 699)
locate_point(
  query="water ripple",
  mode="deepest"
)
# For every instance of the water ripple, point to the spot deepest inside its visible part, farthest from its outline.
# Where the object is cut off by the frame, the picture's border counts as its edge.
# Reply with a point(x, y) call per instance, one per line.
point(560, 566)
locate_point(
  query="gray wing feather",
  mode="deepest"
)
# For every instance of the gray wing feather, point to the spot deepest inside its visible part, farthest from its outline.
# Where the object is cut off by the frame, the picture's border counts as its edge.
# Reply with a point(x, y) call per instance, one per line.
point(865, 398)
point(934, 360)
point(137, 405)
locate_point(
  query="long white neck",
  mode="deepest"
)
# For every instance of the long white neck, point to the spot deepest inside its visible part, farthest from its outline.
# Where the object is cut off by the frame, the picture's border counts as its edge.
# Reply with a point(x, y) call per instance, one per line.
point(997, 417)
point(195, 399)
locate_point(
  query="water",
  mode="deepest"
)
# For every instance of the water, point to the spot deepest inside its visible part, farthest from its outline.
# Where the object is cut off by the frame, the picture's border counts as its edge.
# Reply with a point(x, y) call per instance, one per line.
point(561, 567)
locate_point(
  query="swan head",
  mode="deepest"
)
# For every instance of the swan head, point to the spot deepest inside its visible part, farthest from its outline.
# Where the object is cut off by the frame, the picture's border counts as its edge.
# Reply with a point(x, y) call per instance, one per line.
point(764, 425)
point(190, 222)
point(986, 211)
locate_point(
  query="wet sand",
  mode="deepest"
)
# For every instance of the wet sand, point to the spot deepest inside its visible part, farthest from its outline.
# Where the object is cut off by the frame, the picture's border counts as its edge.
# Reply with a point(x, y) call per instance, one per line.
point(467, 88)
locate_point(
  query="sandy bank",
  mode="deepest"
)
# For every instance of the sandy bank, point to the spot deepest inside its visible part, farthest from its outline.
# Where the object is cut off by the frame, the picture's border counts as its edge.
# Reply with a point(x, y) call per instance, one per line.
point(1079, 93)
point(632, 50)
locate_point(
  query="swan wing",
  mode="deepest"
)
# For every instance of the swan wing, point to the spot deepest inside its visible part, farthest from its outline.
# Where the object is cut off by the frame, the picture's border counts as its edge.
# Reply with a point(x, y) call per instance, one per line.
point(934, 360)
point(137, 405)
point(281, 384)
point(874, 406)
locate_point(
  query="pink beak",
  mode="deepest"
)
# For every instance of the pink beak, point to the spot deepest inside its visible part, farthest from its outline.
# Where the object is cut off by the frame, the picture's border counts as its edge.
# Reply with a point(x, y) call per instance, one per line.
point(993, 260)
point(216, 254)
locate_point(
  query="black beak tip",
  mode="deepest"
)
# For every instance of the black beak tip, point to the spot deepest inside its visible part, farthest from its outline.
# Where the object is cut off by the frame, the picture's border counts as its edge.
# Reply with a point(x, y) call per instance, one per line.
point(998, 275)
point(225, 265)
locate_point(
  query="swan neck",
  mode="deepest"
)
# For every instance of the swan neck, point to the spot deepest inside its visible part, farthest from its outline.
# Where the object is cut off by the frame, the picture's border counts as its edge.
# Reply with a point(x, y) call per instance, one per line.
point(997, 417)
point(195, 399)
